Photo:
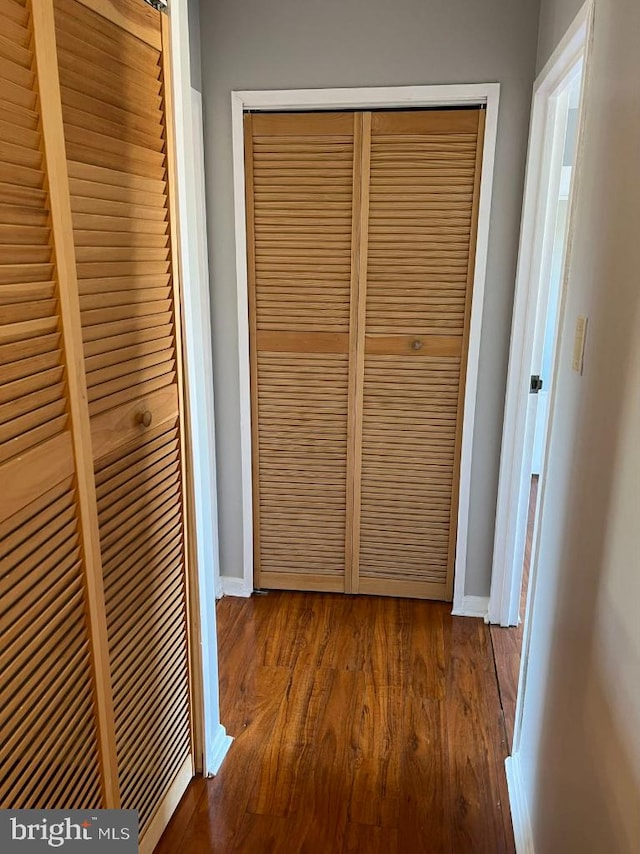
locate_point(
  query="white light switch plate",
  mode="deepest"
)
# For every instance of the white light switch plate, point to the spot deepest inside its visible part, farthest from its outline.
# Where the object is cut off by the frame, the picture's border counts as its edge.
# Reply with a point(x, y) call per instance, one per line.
point(577, 363)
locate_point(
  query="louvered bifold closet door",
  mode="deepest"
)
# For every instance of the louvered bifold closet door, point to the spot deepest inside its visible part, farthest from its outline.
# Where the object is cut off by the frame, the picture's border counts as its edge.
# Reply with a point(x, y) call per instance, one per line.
point(113, 67)
point(424, 187)
point(300, 179)
point(50, 752)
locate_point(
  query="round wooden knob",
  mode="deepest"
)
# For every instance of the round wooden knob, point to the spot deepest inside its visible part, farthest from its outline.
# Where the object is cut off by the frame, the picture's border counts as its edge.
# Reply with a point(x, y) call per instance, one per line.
point(416, 344)
point(145, 418)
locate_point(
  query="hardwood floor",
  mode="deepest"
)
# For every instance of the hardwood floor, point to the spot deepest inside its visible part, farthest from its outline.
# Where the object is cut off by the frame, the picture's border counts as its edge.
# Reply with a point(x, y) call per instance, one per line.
point(507, 642)
point(361, 724)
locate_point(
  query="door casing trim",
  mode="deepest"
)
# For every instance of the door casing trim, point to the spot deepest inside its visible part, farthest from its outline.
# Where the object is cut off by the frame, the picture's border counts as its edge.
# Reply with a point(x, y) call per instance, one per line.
point(369, 98)
point(210, 739)
point(513, 491)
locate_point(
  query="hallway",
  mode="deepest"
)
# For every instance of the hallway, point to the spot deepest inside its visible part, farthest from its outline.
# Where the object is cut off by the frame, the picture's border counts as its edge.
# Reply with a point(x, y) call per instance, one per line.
point(361, 724)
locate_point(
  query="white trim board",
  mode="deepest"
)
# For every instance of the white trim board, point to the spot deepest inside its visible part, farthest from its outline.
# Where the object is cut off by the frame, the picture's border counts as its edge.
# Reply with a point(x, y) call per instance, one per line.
point(220, 744)
point(472, 606)
point(563, 56)
point(575, 43)
point(198, 367)
point(519, 810)
point(366, 99)
point(513, 497)
point(235, 586)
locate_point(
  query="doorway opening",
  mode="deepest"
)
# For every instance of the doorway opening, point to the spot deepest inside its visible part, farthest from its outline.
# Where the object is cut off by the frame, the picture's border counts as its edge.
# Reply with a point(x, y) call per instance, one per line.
point(544, 250)
point(312, 101)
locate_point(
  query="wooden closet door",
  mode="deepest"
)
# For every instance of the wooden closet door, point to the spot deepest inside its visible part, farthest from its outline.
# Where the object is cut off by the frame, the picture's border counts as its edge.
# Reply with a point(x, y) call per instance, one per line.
point(113, 67)
point(423, 209)
point(301, 171)
point(57, 746)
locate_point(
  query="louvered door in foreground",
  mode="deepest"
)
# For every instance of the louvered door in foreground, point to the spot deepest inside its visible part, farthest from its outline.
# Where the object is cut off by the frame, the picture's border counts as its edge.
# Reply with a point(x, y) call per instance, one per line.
point(114, 94)
point(50, 752)
point(361, 253)
point(95, 703)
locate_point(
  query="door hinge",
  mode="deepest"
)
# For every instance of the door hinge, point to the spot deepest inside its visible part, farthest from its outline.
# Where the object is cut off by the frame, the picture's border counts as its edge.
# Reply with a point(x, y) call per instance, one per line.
point(159, 5)
point(536, 384)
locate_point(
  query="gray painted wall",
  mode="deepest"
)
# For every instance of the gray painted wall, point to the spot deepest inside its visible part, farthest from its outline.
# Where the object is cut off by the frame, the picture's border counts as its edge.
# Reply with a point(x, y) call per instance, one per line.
point(555, 19)
point(264, 44)
point(580, 743)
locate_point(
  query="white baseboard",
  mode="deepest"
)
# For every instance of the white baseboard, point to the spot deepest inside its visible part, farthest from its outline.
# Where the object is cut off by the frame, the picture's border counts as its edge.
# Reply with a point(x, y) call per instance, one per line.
point(519, 807)
point(218, 750)
point(235, 586)
point(471, 606)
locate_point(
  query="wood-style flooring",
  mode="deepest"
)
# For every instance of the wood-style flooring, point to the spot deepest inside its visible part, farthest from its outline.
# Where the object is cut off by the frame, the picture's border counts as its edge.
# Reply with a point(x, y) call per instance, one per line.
point(507, 642)
point(361, 724)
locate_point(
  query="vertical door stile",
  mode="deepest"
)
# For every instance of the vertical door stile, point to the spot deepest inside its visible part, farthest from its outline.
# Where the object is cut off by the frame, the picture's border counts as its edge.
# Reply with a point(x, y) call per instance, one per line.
point(115, 92)
point(473, 237)
point(300, 227)
point(357, 322)
point(67, 292)
point(253, 344)
point(424, 187)
point(188, 505)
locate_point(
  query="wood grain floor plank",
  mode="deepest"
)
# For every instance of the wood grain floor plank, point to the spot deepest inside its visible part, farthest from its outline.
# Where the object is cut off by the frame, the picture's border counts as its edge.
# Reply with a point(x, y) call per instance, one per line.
point(228, 616)
point(288, 755)
point(388, 659)
point(322, 798)
point(372, 840)
point(262, 833)
point(475, 732)
point(427, 664)
point(425, 808)
point(376, 741)
point(262, 695)
point(182, 820)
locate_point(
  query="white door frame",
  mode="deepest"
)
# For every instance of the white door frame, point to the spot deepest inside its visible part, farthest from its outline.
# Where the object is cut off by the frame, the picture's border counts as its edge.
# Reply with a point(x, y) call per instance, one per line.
point(531, 277)
point(199, 378)
point(364, 99)
point(576, 42)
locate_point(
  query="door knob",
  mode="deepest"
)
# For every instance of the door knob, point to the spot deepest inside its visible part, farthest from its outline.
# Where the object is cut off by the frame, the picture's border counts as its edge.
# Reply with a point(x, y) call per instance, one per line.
point(416, 344)
point(144, 417)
